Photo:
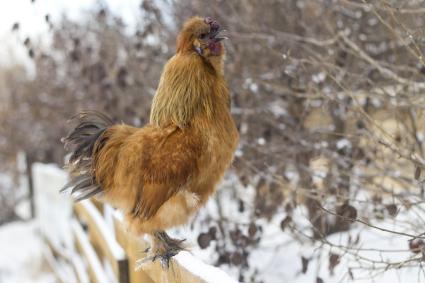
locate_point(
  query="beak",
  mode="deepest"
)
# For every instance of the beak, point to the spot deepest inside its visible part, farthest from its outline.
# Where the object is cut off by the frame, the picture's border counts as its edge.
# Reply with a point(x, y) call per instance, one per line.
point(198, 50)
point(215, 35)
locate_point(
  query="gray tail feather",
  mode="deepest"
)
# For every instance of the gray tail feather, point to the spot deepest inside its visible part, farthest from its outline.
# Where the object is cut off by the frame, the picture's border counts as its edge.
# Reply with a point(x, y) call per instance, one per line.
point(81, 142)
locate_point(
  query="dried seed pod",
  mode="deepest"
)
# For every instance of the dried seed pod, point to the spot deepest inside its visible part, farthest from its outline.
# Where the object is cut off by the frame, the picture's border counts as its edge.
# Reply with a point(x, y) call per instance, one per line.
point(224, 258)
point(15, 27)
point(304, 264)
point(334, 260)
point(416, 245)
point(204, 240)
point(241, 206)
point(252, 230)
point(392, 209)
point(27, 42)
point(418, 172)
point(285, 222)
point(237, 258)
point(347, 212)
point(213, 232)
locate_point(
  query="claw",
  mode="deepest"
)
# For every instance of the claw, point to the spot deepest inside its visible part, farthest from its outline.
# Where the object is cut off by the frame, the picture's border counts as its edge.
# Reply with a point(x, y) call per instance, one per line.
point(147, 250)
point(141, 262)
point(164, 249)
point(163, 259)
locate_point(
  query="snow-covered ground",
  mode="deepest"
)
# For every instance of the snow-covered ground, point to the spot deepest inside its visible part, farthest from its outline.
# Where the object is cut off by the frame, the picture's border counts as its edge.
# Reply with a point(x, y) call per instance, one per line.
point(278, 257)
point(21, 255)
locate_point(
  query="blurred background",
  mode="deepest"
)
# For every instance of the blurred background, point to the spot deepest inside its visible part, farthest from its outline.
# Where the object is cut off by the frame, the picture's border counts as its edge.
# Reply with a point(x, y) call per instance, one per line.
point(328, 96)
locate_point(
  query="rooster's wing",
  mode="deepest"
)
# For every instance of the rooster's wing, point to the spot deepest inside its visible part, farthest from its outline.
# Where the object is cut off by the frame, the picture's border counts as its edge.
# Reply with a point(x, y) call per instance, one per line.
point(153, 162)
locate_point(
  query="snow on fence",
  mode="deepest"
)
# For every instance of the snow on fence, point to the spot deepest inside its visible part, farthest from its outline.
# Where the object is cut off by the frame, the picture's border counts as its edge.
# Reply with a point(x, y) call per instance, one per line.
point(92, 239)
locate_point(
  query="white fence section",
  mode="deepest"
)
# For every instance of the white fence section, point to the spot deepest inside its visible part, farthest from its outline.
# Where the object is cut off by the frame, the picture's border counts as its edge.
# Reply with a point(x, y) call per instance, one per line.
point(93, 240)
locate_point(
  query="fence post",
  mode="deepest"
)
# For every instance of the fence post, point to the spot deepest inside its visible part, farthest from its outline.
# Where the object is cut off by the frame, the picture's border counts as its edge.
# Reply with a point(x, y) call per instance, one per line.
point(29, 161)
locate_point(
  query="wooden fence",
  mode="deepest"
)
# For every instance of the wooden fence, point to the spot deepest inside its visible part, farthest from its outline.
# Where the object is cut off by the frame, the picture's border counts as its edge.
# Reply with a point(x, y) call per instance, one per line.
point(101, 250)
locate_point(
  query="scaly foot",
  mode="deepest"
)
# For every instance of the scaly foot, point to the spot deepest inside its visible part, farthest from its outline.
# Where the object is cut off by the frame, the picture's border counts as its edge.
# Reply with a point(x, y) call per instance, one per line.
point(163, 249)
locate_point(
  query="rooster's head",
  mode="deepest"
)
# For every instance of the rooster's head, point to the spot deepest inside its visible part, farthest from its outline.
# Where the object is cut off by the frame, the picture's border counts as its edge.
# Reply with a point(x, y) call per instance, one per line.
point(201, 35)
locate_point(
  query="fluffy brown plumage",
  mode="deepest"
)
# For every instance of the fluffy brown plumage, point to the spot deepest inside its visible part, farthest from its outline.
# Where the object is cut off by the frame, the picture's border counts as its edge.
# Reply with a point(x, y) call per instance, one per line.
point(159, 175)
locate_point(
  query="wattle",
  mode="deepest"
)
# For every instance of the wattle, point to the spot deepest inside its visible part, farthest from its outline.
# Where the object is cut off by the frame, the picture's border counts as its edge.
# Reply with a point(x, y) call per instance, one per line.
point(214, 47)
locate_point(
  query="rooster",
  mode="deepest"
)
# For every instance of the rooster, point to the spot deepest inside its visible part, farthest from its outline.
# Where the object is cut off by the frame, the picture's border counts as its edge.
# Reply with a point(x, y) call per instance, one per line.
point(161, 174)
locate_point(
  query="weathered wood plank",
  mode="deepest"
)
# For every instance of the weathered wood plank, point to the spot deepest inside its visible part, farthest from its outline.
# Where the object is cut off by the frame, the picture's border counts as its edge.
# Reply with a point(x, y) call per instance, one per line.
point(95, 269)
point(103, 240)
point(133, 252)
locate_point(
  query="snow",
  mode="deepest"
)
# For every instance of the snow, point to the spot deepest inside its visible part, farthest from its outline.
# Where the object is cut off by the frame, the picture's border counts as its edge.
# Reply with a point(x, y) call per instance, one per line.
point(343, 143)
point(53, 210)
point(278, 109)
point(319, 77)
point(261, 141)
point(281, 257)
point(21, 254)
point(208, 273)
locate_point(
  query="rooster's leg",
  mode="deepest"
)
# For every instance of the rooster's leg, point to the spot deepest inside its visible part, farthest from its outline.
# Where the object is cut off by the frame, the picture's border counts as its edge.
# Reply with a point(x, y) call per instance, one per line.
point(163, 248)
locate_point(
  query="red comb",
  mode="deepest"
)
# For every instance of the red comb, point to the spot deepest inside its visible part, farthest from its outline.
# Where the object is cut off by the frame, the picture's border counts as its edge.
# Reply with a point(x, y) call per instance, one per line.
point(213, 23)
